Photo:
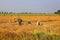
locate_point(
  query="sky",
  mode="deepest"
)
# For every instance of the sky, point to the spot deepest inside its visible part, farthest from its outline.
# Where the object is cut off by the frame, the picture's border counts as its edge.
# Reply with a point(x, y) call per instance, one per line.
point(34, 6)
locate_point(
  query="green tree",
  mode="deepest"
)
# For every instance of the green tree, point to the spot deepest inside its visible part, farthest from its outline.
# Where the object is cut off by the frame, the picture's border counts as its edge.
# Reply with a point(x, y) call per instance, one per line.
point(58, 12)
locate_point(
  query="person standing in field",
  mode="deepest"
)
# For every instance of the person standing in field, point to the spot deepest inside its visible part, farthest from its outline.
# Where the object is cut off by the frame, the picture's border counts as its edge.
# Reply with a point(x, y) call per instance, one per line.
point(20, 21)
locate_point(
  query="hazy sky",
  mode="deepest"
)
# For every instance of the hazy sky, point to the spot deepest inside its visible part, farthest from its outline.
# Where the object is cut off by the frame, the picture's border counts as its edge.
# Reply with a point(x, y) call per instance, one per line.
point(43, 6)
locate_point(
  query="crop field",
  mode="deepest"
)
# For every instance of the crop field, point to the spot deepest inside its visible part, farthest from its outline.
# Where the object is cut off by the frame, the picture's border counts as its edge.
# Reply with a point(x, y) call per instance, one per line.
point(49, 28)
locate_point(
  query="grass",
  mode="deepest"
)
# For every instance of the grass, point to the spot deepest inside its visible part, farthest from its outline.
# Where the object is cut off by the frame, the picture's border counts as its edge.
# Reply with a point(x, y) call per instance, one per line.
point(32, 35)
point(28, 36)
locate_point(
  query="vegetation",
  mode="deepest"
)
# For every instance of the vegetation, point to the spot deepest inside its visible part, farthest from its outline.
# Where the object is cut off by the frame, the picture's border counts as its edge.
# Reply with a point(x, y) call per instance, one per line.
point(58, 12)
point(28, 36)
point(28, 14)
point(10, 30)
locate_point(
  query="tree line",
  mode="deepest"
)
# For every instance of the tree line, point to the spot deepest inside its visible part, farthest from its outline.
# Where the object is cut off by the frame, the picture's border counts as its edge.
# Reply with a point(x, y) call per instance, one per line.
point(57, 12)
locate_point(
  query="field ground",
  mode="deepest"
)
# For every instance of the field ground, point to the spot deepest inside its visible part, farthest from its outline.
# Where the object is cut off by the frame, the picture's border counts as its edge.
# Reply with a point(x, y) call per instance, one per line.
point(48, 30)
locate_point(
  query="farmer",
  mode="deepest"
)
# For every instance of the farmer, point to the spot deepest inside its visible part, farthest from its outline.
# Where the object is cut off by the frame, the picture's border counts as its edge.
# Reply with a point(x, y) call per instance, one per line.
point(38, 23)
point(20, 21)
point(29, 22)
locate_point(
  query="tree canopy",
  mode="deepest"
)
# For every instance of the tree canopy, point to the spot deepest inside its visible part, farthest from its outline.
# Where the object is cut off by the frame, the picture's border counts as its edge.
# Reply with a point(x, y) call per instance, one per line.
point(57, 12)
